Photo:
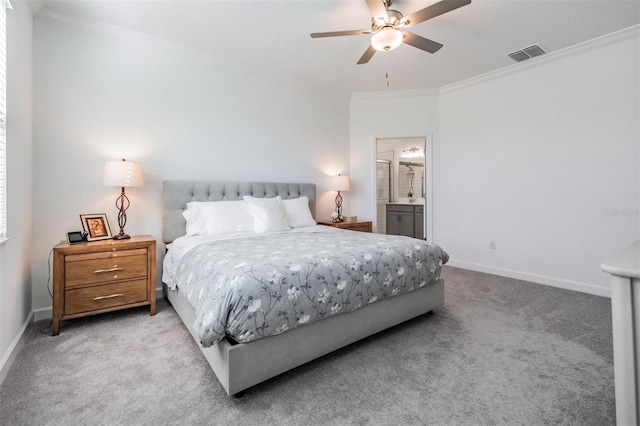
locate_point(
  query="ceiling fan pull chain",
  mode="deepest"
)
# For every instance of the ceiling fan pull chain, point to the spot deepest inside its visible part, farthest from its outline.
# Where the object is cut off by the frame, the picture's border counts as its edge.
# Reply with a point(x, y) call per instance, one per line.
point(386, 66)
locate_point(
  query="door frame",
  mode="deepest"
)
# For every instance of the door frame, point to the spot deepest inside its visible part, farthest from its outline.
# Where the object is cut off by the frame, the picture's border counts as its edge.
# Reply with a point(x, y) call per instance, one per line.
point(428, 180)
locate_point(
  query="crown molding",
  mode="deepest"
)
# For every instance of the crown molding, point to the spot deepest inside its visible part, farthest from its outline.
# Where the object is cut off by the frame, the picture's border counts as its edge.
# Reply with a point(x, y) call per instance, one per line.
point(626, 33)
point(633, 31)
point(35, 6)
point(38, 9)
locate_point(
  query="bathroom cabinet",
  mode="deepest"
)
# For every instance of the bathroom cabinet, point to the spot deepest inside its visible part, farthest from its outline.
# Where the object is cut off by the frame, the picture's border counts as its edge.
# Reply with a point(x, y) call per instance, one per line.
point(406, 219)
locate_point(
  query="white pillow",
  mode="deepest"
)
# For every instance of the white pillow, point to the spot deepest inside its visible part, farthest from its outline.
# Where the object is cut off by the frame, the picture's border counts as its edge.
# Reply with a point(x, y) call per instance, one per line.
point(268, 214)
point(298, 213)
point(196, 223)
point(218, 217)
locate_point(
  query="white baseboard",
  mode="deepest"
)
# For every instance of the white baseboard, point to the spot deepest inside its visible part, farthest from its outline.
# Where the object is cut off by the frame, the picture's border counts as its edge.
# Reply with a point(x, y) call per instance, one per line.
point(14, 349)
point(540, 279)
point(42, 314)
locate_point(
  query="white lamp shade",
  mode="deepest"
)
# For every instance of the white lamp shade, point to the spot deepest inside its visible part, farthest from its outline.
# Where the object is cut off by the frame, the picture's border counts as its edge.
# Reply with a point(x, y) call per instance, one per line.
point(387, 38)
point(339, 183)
point(122, 173)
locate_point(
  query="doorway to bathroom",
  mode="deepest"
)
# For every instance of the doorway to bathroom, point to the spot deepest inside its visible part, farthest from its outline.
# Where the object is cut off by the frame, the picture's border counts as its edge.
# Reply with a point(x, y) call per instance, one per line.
point(404, 203)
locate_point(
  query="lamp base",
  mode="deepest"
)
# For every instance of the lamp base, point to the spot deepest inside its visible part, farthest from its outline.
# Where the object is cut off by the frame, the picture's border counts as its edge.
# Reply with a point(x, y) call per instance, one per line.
point(121, 237)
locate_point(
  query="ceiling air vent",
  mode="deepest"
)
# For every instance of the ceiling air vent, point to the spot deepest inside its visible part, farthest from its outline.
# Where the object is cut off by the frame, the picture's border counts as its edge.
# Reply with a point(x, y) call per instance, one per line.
point(527, 52)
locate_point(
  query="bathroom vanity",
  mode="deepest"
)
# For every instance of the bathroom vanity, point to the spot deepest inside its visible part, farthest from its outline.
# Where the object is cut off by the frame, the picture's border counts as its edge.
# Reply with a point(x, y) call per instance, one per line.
point(406, 219)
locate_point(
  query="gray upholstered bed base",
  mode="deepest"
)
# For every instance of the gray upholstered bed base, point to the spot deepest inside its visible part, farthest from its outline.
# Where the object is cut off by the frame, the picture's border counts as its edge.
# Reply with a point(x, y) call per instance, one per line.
point(243, 365)
point(240, 366)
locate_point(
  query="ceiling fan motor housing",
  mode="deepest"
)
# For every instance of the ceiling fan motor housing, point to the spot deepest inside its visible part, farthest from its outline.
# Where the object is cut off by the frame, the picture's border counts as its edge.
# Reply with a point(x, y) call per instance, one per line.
point(393, 19)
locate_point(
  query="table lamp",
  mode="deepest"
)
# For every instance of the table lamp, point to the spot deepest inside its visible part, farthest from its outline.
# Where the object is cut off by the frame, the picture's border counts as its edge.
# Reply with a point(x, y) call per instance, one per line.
point(339, 183)
point(122, 173)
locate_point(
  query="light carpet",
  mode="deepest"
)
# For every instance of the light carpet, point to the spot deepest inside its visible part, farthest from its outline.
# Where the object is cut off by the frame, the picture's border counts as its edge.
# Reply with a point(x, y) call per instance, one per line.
point(501, 351)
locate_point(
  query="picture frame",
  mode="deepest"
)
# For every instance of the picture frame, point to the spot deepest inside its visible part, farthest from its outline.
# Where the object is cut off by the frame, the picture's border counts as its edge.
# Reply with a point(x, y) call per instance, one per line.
point(96, 226)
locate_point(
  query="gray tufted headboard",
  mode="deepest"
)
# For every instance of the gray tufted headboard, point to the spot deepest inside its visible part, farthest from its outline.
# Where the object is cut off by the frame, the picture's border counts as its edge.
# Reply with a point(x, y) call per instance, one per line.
point(177, 193)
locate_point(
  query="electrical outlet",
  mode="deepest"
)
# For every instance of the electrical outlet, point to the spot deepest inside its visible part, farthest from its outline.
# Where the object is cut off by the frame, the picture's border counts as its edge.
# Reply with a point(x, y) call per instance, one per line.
point(492, 244)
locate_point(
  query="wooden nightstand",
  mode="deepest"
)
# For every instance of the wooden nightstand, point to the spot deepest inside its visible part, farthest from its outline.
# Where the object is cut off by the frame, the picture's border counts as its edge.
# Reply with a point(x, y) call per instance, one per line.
point(102, 276)
point(353, 226)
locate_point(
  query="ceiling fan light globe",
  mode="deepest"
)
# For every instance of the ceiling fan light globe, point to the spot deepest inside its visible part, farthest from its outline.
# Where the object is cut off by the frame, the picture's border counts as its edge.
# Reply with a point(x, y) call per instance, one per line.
point(386, 39)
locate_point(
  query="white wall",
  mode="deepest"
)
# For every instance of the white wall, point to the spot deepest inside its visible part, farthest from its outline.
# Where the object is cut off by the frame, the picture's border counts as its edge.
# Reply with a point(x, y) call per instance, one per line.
point(103, 93)
point(538, 158)
point(15, 254)
point(385, 115)
point(541, 157)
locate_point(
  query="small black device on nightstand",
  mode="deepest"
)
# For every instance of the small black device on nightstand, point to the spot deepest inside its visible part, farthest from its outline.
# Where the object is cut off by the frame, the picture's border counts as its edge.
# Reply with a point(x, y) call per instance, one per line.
point(75, 237)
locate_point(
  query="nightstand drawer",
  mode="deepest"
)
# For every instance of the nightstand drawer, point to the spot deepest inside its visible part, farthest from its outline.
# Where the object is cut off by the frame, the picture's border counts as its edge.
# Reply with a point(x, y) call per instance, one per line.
point(89, 299)
point(362, 227)
point(95, 271)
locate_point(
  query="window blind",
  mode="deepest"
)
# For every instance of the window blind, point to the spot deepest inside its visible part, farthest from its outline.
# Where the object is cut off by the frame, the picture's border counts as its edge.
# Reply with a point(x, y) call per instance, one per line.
point(4, 5)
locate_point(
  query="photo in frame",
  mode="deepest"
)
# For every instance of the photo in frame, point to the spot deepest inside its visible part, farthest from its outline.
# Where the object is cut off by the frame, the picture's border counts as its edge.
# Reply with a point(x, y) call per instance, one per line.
point(96, 226)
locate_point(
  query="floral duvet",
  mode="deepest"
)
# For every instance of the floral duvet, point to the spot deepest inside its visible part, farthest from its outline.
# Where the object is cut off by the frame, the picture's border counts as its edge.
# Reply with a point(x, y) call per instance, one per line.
point(249, 288)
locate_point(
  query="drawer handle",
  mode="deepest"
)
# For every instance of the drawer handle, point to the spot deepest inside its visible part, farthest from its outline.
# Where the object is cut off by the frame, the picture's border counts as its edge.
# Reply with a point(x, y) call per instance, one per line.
point(111, 296)
point(99, 271)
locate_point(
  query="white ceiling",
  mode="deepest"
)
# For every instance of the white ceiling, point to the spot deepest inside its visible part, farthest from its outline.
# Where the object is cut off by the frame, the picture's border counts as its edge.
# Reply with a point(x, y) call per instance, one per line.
point(273, 35)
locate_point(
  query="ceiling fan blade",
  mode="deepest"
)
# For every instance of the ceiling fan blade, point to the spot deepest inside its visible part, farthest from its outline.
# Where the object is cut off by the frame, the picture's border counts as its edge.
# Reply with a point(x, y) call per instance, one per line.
point(340, 33)
point(377, 8)
point(367, 55)
point(421, 42)
point(434, 10)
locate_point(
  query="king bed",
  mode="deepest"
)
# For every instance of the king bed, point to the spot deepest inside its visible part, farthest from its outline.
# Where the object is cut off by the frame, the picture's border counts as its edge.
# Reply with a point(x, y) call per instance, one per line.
point(263, 289)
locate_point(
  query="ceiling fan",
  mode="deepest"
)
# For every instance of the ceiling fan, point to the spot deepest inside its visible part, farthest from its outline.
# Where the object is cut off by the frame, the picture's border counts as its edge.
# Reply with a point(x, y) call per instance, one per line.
point(387, 27)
